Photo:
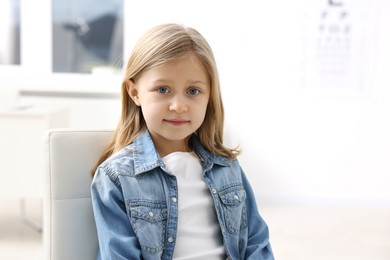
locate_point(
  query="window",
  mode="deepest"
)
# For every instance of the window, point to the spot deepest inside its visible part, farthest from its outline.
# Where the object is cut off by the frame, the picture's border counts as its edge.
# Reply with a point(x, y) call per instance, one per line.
point(62, 45)
point(10, 32)
point(87, 35)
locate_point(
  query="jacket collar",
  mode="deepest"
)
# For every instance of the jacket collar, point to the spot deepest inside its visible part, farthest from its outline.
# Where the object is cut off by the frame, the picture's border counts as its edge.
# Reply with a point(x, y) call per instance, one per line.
point(147, 158)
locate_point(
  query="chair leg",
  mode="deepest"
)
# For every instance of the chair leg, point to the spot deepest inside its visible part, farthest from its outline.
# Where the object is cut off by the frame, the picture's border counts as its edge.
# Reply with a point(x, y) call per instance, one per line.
point(26, 219)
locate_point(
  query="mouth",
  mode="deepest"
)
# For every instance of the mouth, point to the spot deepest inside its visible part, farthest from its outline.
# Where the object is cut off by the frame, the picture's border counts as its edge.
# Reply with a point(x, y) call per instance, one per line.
point(176, 122)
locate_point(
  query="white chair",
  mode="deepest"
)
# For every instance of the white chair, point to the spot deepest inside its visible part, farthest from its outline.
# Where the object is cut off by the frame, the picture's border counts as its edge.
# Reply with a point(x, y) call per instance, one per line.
point(69, 227)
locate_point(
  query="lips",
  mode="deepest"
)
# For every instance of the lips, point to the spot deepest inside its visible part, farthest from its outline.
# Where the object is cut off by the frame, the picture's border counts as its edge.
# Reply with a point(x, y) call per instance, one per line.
point(176, 121)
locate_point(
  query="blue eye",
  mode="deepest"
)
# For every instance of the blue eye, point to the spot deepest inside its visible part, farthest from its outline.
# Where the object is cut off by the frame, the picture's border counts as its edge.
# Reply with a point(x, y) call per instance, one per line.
point(193, 91)
point(162, 90)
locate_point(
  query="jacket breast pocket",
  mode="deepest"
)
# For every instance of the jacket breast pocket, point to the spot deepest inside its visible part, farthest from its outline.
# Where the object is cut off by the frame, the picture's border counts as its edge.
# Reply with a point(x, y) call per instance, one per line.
point(234, 208)
point(149, 223)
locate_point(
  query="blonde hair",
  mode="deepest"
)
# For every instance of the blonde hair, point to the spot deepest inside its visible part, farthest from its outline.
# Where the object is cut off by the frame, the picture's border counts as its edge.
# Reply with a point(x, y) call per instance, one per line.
point(156, 47)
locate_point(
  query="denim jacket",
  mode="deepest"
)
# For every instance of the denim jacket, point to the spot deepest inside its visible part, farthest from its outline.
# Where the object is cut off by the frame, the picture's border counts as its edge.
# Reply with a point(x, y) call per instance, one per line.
point(135, 204)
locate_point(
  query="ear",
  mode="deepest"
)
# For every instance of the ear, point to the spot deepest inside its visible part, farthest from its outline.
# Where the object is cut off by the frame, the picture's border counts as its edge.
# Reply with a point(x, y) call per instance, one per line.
point(133, 91)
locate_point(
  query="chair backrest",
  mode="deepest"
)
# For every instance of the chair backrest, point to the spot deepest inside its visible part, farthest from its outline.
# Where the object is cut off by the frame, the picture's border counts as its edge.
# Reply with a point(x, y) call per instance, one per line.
point(69, 226)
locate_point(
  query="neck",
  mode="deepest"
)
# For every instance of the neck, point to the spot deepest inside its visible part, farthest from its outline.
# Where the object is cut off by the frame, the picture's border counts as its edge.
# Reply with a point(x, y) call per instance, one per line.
point(165, 147)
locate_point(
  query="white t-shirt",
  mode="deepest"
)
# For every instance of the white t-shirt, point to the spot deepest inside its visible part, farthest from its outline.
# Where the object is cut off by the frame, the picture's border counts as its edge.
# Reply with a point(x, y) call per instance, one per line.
point(198, 233)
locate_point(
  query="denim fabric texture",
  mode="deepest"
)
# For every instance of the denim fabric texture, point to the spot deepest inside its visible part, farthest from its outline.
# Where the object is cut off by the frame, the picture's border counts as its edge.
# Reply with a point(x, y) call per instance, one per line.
point(135, 203)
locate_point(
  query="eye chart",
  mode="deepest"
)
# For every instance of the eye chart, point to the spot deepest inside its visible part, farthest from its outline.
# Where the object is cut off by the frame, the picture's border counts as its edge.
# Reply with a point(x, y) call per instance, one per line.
point(338, 42)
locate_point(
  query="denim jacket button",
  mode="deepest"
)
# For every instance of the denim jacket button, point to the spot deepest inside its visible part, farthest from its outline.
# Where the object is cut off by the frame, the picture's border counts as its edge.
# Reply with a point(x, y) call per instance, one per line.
point(170, 239)
point(174, 199)
point(214, 191)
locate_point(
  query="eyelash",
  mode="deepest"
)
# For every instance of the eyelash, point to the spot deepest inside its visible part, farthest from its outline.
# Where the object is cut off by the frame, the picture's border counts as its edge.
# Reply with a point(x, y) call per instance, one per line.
point(166, 90)
point(193, 89)
point(160, 88)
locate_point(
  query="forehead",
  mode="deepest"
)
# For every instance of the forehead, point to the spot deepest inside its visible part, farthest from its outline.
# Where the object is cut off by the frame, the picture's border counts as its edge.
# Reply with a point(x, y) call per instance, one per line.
point(188, 66)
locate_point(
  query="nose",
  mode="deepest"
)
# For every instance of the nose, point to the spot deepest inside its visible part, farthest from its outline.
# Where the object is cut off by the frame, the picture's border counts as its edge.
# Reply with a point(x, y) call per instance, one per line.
point(178, 105)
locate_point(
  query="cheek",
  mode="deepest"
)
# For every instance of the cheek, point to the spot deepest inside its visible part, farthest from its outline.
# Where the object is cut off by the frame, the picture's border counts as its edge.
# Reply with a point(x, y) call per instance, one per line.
point(205, 106)
point(201, 114)
point(149, 112)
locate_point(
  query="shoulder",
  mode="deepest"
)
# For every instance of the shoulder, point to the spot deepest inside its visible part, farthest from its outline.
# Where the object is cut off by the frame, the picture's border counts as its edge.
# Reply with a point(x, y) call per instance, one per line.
point(231, 166)
point(208, 158)
point(120, 163)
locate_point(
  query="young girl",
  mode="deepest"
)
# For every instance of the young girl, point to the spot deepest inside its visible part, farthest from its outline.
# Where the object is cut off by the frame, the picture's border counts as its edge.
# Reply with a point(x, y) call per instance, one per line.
point(166, 187)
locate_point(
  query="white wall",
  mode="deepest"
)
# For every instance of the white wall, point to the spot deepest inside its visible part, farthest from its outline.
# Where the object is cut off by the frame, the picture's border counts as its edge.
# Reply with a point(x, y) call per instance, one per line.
point(313, 144)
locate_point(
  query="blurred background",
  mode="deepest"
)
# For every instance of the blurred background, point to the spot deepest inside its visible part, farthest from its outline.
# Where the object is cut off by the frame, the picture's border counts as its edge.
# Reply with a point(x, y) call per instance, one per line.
point(306, 88)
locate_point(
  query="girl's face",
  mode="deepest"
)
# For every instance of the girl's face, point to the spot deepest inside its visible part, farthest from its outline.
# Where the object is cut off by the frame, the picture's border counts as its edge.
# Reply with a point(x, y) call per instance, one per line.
point(173, 99)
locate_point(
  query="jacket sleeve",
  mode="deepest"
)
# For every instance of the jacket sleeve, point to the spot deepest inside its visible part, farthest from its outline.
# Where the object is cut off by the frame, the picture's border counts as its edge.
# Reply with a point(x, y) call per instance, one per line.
point(258, 246)
point(116, 236)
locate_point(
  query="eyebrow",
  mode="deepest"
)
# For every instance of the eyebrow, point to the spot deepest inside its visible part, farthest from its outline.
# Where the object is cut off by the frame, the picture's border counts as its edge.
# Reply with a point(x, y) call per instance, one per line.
point(189, 81)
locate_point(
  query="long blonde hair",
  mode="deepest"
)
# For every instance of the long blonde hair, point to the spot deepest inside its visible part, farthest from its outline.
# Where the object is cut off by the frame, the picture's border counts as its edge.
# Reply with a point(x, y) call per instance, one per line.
point(158, 46)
